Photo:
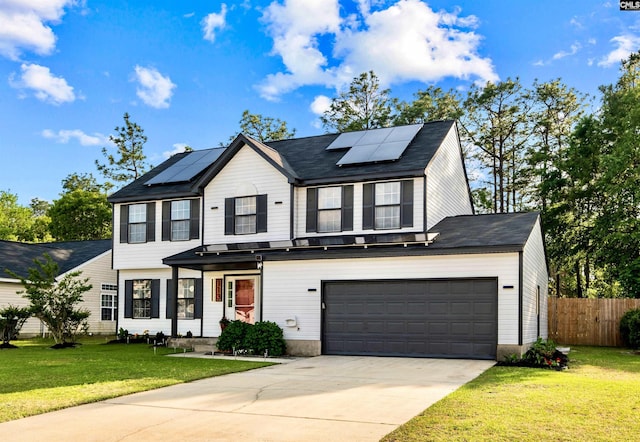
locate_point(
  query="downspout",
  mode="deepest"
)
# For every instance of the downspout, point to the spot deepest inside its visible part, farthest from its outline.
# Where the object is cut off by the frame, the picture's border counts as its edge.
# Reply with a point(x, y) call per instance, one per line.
point(261, 265)
point(174, 289)
point(424, 202)
point(118, 297)
point(291, 212)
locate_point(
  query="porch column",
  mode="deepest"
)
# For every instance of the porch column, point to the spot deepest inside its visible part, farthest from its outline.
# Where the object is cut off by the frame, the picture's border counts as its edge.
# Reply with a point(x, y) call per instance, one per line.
point(174, 297)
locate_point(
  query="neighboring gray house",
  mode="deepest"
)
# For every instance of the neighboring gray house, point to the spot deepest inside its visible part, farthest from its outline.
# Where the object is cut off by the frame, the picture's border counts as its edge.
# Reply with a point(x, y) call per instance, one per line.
point(93, 258)
point(362, 243)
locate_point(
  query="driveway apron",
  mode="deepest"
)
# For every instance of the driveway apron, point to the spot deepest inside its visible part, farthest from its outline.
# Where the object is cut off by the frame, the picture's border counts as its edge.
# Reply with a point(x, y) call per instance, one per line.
point(337, 398)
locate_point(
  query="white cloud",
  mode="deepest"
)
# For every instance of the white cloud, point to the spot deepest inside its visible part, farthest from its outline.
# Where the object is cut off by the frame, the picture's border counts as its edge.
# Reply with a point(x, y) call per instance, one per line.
point(24, 25)
point(404, 42)
point(626, 45)
point(320, 104)
point(64, 136)
point(177, 148)
point(561, 54)
point(46, 87)
point(213, 22)
point(153, 89)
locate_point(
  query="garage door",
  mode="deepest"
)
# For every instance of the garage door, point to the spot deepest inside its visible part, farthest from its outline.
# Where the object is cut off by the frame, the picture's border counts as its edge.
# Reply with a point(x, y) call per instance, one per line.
point(454, 318)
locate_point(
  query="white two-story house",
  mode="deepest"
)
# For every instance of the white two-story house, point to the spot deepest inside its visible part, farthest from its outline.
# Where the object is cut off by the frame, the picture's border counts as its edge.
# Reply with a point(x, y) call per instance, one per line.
point(362, 243)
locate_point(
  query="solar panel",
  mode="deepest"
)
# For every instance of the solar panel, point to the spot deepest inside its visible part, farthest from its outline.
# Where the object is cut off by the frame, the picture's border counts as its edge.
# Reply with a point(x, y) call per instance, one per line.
point(188, 167)
point(345, 140)
point(386, 144)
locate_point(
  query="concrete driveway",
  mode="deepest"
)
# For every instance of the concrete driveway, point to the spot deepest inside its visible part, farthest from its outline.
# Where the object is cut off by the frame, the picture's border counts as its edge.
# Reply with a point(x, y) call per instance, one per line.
point(323, 398)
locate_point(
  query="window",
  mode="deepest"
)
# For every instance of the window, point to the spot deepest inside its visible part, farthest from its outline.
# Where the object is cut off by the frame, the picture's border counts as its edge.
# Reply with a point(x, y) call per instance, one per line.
point(186, 298)
point(245, 215)
point(108, 302)
point(387, 200)
point(387, 205)
point(330, 209)
point(142, 298)
point(181, 220)
point(137, 223)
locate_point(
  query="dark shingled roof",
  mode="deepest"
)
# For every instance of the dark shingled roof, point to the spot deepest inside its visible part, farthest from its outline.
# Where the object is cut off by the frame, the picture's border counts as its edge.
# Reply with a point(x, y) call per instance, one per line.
point(18, 257)
point(305, 161)
point(484, 231)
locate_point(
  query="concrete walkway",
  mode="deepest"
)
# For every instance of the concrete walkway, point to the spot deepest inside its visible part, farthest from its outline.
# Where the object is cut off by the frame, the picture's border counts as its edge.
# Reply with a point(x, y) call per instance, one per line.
point(325, 398)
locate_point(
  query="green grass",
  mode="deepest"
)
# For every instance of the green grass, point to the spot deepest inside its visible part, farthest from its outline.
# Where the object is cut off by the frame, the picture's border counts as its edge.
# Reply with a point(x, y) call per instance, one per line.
point(35, 379)
point(598, 398)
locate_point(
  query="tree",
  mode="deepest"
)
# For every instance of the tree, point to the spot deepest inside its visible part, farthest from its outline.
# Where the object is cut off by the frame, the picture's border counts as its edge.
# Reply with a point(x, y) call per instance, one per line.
point(11, 321)
point(81, 215)
point(55, 302)
point(617, 226)
point(84, 181)
point(264, 129)
point(15, 220)
point(363, 106)
point(129, 164)
point(431, 104)
point(496, 125)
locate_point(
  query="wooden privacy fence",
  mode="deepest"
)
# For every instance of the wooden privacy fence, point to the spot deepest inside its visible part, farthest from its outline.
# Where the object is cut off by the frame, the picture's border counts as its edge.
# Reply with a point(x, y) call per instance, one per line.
point(581, 321)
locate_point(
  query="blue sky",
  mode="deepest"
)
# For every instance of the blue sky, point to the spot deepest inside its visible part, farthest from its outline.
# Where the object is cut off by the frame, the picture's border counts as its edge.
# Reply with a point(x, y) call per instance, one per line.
point(186, 70)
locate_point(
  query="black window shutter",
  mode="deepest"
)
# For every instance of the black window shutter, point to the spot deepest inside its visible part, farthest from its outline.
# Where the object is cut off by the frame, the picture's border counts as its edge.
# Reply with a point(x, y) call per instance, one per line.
point(347, 208)
point(124, 223)
point(197, 311)
point(194, 226)
point(229, 216)
point(128, 298)
point(166, 220)
point(170, 291)
point(406, 209)
point(261, 213)
point(151, 222)
point(312, 209)
point(155, 298)
point(368, 208)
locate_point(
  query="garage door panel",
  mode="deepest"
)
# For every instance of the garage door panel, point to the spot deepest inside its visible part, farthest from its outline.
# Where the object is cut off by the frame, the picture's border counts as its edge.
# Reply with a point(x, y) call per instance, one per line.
point(439, 318)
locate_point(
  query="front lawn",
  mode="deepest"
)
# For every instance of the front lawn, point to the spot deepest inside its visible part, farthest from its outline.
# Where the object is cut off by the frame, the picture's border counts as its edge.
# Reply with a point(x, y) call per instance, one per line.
point(35, 379)
point(598, 398)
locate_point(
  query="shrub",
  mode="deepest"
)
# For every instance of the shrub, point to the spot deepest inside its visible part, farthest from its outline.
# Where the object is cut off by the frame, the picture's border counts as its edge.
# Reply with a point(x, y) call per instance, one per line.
point(11, 321)
point(540, 352)
point(233, 336)
point(265, 337)
point(630, 328)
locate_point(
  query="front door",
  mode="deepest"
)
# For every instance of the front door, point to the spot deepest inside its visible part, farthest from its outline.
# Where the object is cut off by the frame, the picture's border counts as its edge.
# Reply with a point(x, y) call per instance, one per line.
point(242, 293)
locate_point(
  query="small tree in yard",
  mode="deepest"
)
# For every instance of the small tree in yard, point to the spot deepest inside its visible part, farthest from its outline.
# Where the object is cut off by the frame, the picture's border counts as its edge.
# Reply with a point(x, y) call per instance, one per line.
point(55, 302)
point(11, 321)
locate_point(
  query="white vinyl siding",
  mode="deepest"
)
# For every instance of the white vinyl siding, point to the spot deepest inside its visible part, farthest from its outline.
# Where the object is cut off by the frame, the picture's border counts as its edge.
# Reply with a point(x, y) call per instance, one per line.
point(247, 174)
point(535, 275)
point(296, 294)
point(447, 188)
point(149, 254)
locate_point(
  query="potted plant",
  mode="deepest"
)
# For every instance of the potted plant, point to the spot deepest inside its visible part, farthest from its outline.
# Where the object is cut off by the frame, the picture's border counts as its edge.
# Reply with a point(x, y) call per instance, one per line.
point(224, 322)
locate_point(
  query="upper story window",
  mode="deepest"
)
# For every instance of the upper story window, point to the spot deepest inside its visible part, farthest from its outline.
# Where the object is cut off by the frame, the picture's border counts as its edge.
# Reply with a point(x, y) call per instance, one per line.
point(330, 209)
point(387, 205)
point(245, 215)
point(137, 223)
point(181, 220)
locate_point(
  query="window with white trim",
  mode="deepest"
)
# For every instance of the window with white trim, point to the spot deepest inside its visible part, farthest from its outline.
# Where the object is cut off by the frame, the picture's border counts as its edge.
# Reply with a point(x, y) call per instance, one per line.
point(137, 224)
point(186, 298)
point(108, 302)
point(329, 209)
point(387, 205)
point(141, 298)
point(180, 219)
point(245, 215)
